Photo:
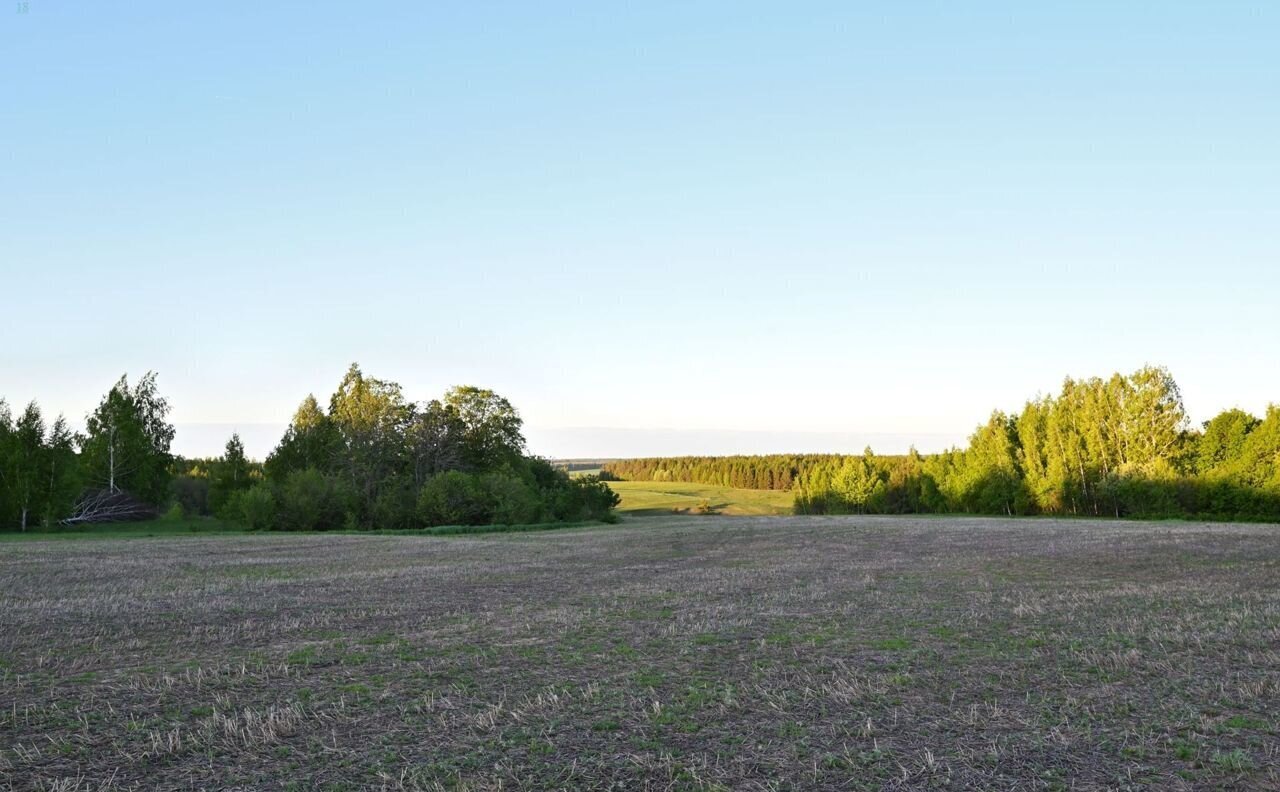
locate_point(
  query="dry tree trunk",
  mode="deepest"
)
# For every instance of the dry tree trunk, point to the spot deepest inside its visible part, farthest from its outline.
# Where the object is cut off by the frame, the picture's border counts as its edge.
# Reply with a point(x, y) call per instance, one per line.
point(102, 506)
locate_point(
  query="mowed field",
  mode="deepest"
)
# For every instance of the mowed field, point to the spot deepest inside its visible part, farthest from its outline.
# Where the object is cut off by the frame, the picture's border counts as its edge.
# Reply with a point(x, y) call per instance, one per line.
point(665, 653)
point(658, 497)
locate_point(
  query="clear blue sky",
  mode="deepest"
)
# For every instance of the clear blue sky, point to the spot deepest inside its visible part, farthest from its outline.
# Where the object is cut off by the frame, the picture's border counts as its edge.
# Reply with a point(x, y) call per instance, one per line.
point(755, 226)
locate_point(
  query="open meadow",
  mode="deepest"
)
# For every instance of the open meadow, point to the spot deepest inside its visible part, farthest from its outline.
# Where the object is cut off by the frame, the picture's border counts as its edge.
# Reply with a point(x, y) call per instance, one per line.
point(665, 653)
point(659, 497)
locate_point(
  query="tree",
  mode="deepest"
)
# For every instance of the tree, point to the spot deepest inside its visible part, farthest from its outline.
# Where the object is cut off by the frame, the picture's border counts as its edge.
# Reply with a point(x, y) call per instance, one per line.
point(1258, 465)
point(370, 416)
point(1153, 417)
point(490, 427)
point(857, 481)
point(311, 441)
point(990, 481)
point(230, 474)
point(435, 437)
point(7, 458)
point(1223, 441)
point(26, 462)
point(61, 475)
point(127, 445)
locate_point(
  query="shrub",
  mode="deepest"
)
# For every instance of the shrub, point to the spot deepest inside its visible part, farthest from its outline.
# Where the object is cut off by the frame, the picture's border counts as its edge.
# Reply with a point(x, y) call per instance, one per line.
point(584, 498)
point(395, 507)
point(511, 500)
point(309, 500)
point(174, 513)
point(191, 493)
point(255, 507)
point(454, 498)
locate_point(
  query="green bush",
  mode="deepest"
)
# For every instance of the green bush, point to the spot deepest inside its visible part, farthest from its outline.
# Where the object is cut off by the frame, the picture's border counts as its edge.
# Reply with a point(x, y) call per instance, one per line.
point(395, 507)
point(255, 507)
point(510, 499)
point(584, 498)
point(174, 513)
point(454, 498)
point(192, 493)
point(309, 500)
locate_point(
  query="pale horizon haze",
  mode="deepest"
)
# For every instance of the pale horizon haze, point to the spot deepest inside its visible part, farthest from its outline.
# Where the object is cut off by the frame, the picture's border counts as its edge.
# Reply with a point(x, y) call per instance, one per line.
point(664, 228)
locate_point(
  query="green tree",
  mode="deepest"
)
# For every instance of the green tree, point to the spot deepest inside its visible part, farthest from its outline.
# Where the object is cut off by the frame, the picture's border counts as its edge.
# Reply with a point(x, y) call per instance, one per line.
point(311, 441)
point(370, 416)
point(988, 479)
point(490, 425)
point(856, 482)
point(435, 440)
point(61, 477)
point(1152, 416)
point(127, 444)
point(230, 475)
point(1223, 441)
point(8, 510)
point(1258, 465)
point(27, 462)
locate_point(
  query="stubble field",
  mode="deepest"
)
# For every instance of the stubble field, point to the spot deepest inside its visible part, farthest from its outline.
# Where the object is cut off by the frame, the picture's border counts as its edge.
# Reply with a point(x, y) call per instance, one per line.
point(666, 653)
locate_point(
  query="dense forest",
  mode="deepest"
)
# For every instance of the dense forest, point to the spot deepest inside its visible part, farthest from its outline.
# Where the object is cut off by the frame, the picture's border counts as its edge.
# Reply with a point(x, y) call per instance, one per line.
point(1119, 447)
point(372, 459)
point(763, 471)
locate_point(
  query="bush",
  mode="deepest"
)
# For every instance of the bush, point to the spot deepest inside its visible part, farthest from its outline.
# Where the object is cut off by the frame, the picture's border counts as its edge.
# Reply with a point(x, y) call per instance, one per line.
point(454, 498)
point(584, 498)
point(255, 507)
point(395, 508)
point(308, 500)
point(511, 500)
point(191, 493)
point(174, 513)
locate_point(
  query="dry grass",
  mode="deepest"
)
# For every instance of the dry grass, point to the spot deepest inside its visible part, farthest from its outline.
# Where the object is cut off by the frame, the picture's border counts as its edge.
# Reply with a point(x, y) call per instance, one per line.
point(669, 653)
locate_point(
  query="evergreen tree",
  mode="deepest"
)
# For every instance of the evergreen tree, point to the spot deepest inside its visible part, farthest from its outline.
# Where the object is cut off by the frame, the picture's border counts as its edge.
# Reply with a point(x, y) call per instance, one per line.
point(230, 475)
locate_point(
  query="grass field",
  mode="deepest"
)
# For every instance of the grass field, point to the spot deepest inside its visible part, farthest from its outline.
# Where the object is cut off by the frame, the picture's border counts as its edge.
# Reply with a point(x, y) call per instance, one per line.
point(134, 530)
point(668, 653)
point(654, 497)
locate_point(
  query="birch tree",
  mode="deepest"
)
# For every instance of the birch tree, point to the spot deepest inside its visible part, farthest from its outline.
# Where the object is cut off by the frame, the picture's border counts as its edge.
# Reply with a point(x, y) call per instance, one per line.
point(126, 448)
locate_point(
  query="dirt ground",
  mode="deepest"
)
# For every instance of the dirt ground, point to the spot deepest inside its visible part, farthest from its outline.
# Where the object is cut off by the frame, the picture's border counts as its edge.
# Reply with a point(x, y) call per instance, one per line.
point(769, 653)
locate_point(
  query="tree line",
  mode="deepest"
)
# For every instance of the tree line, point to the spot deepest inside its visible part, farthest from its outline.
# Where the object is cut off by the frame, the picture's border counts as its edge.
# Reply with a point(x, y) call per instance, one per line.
point(372, 459)
point(118, 467)
point(1120, 446)
point(761, 471)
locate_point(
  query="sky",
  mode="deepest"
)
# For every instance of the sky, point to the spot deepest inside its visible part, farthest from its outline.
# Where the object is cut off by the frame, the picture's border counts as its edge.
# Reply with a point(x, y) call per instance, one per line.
point(687, 227)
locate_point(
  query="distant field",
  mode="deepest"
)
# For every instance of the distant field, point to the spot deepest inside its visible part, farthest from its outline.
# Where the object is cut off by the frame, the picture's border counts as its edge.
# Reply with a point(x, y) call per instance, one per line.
point(655, 497)
point(671, 653)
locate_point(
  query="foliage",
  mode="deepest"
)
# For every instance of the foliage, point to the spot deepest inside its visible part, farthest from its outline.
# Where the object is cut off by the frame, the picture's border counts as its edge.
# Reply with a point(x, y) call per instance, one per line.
point(127, 443)
point(311, 441)
point(40, 475)
point(231, 474)
point(374, 460)
point(1119, 447)
point(254, 507)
